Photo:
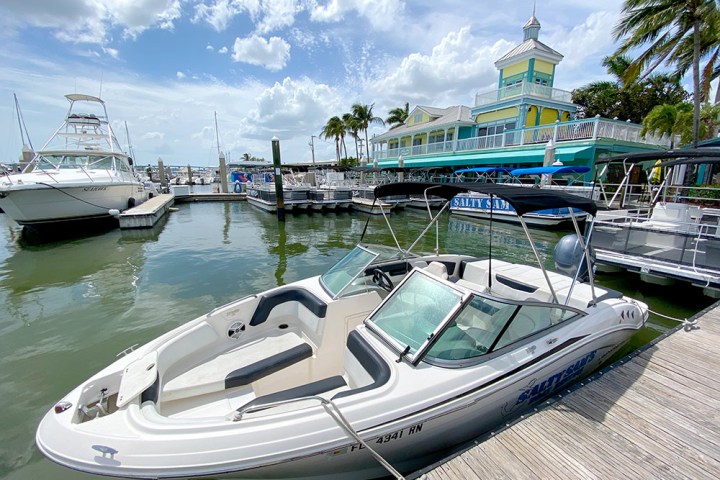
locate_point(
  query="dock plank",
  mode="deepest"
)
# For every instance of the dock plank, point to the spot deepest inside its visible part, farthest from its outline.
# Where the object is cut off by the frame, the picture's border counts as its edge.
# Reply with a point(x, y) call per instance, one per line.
point(656, 415)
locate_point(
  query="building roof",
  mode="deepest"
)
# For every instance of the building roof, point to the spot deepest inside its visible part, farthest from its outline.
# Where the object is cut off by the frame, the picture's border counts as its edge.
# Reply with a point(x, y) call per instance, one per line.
point(530, 45)
point(442, 117)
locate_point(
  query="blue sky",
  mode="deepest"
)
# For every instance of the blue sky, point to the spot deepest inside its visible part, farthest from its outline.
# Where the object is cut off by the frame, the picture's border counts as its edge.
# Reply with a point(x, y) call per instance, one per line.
point(268, 67)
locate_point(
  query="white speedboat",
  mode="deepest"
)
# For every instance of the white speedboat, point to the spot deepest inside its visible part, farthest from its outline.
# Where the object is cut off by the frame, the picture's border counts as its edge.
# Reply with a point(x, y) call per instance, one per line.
point(80, 174)
point(375, 367)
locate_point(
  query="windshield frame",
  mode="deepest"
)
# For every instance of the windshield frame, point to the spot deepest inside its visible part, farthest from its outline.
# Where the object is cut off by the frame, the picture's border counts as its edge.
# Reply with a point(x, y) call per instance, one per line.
point(340, 265)
point(404, 350)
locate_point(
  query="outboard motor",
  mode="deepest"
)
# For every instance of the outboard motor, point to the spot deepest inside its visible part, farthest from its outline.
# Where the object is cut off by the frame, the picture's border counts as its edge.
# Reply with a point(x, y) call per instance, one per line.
point(569, 255)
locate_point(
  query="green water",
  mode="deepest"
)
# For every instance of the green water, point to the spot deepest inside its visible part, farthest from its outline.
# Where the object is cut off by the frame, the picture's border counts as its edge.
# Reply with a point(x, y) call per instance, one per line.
point(71, 305)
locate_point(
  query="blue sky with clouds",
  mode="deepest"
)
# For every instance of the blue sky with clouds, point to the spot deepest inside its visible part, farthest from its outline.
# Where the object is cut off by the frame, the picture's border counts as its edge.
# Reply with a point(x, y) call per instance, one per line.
point(267, 67)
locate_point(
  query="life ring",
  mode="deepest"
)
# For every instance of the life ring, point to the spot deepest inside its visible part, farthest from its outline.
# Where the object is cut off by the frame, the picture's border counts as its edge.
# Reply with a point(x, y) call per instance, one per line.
point(238, 187)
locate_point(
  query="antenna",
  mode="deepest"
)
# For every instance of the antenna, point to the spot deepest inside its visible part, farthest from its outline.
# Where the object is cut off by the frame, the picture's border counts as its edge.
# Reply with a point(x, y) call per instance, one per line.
point(217, 135)
point(101, 80)
point(21, 123)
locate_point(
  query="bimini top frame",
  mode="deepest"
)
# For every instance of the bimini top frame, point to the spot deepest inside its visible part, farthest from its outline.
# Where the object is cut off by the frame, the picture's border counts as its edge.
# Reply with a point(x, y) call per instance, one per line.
point(522, 199)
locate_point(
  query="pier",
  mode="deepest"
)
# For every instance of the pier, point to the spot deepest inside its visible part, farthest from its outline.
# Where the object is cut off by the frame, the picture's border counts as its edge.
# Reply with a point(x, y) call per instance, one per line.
point(148, 213)
point(651, 415)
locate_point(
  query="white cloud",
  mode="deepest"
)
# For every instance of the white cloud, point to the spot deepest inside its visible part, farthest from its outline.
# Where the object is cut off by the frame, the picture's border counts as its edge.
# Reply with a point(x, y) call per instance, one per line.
point(220, 13)
point(456, 67)
point(209, 48)
point(272, 54)
point(277, 14)
point(180, 75)
point(223, 50)
point(379, 13)
point(90, 21)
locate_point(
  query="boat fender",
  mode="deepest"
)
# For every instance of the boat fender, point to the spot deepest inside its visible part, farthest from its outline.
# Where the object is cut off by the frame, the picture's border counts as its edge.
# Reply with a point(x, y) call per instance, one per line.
point(238, 187)
point(131, 202)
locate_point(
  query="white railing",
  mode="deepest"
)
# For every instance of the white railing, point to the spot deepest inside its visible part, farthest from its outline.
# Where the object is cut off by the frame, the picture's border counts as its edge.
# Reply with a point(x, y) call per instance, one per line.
point(585, 129)
point(524, 88)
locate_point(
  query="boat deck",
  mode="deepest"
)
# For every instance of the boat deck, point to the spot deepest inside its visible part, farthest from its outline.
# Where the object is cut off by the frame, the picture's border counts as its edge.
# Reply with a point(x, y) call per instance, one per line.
point(654, 415)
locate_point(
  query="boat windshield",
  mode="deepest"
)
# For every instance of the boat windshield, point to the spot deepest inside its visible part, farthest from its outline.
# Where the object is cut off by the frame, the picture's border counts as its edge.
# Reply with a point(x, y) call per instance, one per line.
point(347, 269)
point(433, 320)
point(415, 312)
point(67, 161)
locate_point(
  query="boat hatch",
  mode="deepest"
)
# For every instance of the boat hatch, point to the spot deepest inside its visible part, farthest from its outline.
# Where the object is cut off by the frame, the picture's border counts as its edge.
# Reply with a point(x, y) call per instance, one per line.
point(433, 320)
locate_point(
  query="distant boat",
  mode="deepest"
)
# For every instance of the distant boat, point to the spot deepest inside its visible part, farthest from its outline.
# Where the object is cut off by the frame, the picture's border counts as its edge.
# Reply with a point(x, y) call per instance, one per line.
point(480, 205)
point(80, 174)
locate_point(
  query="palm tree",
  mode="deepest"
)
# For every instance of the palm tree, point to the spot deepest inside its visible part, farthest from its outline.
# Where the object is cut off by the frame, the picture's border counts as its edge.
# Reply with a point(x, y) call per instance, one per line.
point(364, 116)
point(665, 120)
point(398, 115)
point(710, 49)
point(669, 27)
point(246, 157)
point(335, 129)
point(352, 125)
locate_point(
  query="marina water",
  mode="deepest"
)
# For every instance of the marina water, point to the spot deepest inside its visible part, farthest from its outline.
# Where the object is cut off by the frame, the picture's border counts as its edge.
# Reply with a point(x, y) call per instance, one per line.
point(71, 305)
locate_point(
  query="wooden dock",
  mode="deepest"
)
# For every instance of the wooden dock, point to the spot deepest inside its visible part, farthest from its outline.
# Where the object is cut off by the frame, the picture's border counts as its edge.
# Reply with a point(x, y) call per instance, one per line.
point(211, 197)
point(655, 415)
point(147, 213)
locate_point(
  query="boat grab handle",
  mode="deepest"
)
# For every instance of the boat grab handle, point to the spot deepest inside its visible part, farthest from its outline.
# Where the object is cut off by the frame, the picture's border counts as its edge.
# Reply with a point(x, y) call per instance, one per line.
point(334, 412)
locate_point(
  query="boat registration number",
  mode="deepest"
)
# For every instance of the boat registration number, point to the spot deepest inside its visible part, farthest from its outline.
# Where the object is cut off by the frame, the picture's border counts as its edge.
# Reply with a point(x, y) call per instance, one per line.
point(412, 430)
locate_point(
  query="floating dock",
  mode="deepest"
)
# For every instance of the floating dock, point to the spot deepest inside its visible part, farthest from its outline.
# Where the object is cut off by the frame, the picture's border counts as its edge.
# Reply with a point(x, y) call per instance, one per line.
point(147, 214)
point(210, 197)
point(654, 415)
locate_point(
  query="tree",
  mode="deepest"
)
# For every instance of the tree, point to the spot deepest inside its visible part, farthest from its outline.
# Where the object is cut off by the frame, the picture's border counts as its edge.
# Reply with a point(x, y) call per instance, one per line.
point(246, 157)
point(668, 29)
point(398, 115)
point(364, 116)
point(627, 101)
point(665, 120)
point(335, 129)
point(353, 126)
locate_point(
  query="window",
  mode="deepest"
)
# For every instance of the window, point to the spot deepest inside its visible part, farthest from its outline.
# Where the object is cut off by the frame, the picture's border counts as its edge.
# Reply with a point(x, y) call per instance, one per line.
point(418, 118)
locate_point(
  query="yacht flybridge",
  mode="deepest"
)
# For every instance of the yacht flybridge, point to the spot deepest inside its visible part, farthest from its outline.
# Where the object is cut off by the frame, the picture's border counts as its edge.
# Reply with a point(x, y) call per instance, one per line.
point(373, 368)
point(81, 173)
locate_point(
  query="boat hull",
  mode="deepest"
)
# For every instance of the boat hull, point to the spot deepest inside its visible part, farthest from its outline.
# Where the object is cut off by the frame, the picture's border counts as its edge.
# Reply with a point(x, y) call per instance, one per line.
point(408, 443)
point(480, 207)
point(38, 205)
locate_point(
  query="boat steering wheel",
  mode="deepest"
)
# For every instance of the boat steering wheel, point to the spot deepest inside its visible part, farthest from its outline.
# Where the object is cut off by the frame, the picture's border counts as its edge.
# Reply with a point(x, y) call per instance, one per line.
point(382, 280)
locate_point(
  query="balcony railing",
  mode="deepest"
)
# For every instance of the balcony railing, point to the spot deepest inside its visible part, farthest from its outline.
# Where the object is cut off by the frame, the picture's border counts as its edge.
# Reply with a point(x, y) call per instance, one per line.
point(523, 88)
point(586, 129)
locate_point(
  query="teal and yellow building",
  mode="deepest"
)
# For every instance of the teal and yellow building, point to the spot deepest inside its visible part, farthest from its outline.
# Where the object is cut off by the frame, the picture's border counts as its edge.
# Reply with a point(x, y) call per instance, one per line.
point(511, 125)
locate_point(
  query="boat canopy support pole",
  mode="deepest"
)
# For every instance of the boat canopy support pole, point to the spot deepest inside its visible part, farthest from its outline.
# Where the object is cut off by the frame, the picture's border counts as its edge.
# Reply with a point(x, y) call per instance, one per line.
point(336, 415)
point(432, 221)
point(537, 256)
point(586, 255)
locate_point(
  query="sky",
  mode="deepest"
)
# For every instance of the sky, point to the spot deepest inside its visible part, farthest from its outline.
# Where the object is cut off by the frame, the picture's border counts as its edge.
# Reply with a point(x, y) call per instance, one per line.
point(268, 68)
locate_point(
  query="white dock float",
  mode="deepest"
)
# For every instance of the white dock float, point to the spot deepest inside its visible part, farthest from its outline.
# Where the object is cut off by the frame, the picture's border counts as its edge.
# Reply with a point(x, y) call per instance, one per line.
point(148, 213)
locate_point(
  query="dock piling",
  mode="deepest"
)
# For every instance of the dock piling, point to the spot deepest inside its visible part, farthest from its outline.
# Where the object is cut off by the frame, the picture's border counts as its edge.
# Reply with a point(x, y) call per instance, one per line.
point(278, 179)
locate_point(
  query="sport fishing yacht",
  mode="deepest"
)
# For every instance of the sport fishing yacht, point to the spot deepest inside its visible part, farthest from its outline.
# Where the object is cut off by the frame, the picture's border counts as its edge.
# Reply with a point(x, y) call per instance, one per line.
point(80, 174)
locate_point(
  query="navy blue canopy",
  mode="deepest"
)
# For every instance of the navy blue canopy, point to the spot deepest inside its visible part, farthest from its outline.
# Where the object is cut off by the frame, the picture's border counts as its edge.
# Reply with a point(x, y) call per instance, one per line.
point(523, 199)
point(550, 170)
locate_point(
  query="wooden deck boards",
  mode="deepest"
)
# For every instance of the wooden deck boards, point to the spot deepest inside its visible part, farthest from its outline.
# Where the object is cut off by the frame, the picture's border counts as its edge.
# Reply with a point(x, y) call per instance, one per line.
point(656, 415)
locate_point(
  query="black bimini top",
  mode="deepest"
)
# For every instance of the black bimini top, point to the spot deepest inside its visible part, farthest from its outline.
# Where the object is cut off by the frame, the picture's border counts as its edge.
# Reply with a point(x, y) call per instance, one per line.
point(669, 158)
point(523, 199)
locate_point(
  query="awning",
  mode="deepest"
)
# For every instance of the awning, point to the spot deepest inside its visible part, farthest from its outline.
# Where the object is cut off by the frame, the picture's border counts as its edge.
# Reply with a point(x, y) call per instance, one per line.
point(495, 158)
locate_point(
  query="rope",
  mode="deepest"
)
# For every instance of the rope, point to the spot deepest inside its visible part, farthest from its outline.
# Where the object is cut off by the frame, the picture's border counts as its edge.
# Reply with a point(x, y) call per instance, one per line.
point(73, 196)
point(684, 321)
point(334, 412)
